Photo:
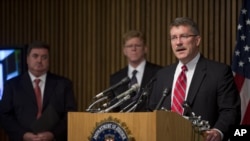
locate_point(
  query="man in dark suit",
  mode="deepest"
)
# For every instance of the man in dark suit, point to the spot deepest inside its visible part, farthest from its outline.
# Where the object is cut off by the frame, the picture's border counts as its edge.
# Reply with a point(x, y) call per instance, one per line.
point(20, 114)
point(135, 49)
point(210, 89)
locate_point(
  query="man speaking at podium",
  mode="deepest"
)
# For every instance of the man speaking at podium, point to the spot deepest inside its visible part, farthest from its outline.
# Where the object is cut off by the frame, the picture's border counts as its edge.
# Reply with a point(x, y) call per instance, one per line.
point(207, 86)
point(138, 70)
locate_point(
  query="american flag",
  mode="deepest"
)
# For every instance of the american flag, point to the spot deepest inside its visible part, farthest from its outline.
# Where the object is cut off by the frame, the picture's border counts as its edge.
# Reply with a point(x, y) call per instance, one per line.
point(241, 61)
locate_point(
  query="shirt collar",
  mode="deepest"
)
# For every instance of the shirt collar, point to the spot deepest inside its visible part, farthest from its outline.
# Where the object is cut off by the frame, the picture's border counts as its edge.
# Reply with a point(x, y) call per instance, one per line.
point(139, 68)
point(191, 65)
point(42, 77)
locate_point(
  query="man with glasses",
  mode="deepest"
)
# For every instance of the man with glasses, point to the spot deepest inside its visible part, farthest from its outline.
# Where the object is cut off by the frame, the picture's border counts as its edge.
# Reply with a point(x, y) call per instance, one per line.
point(206, 86)
point(139, 70)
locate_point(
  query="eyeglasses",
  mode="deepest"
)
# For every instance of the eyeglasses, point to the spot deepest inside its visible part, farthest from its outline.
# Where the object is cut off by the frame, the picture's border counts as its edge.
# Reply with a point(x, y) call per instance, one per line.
point(136, 46)
point(181, 37)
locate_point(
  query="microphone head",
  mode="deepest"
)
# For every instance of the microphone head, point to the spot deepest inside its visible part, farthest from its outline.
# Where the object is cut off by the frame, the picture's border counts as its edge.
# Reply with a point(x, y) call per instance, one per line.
point(185, 104)
point(135, 87)
point(152, 80)
point(125, 80)
point(166, 90)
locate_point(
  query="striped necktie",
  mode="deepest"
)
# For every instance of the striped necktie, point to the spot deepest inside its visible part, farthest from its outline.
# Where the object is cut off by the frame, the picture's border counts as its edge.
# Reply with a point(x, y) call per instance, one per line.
point(179, 92)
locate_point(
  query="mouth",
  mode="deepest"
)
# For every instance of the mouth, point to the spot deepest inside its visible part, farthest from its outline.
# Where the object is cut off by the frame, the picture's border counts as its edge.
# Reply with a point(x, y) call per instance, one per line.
point(180, 49)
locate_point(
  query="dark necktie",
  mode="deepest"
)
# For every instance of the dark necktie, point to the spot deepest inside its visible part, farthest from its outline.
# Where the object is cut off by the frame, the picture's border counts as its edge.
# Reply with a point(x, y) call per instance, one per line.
point(133, 79)
point(179, 92)
point(132, 82)
point(38, 97)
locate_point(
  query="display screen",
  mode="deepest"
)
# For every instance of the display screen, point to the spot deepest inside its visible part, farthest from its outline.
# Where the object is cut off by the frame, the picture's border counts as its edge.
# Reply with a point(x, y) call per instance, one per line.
point(12, 64)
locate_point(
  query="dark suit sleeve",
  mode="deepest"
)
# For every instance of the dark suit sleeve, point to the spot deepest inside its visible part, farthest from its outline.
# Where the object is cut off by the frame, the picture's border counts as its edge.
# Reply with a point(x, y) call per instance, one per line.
point(228, 100)
point(63, 101)
point(162, 82)
point(7, 113)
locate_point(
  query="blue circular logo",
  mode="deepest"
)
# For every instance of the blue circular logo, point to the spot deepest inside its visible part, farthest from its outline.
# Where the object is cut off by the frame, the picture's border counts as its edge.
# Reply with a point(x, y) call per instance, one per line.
point(109, 131)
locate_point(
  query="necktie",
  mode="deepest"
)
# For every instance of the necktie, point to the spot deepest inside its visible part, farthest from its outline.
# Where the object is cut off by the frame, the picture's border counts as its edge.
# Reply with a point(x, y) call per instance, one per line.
point(38, 97)
point(132, 82)
point(179, 92)
point(133, 79)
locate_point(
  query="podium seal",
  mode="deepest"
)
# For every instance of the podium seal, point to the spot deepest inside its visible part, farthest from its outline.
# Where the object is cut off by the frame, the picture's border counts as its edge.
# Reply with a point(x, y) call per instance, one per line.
point(110, 129)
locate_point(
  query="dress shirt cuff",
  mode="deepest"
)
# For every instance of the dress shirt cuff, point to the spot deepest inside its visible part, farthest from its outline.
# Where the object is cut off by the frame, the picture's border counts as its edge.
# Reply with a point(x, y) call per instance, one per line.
point(219, 132)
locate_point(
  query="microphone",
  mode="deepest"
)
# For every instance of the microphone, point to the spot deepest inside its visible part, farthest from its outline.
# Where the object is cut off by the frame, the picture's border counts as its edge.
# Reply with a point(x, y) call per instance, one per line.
point(202, 125)
point(125, 98)
point(164, 95)
point(133, 88)
point(187, 108)
point(129, 105)
point(95, 102)
point(143, 95)
point(148, 86)
point(123, 81)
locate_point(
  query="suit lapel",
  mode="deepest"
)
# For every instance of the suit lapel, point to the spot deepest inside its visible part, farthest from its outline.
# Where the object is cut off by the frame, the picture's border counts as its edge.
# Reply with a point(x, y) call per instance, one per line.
point(146, 75)
point(48, 90)
point(124, 74)
point(28, 87)
point(169, 82)
point(198, 77)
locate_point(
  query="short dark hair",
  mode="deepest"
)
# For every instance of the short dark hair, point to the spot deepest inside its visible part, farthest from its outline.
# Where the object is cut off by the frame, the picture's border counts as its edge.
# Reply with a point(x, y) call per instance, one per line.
point(185, 21)
point(132, 34)
point(37, 44)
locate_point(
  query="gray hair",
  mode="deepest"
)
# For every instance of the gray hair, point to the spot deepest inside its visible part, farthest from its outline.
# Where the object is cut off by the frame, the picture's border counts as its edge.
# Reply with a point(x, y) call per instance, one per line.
point(185, 21)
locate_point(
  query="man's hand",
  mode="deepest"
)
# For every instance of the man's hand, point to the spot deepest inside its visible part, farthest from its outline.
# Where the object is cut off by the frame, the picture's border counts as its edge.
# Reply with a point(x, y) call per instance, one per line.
point(213, 135)
point(43, 136)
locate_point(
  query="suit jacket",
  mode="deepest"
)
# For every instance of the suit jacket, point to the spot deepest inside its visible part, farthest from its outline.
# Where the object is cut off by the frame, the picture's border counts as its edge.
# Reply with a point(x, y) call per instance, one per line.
point(18, 107)
point(212, 94)
point(149, 72)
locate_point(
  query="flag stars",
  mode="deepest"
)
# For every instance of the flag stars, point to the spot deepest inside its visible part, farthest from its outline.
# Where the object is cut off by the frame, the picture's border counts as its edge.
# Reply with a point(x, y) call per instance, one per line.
point(239, 27)
point(241, 64)
point(246, 48)
point(248, 21)
point(244, 11)
point(237, 53)
point(243, 37)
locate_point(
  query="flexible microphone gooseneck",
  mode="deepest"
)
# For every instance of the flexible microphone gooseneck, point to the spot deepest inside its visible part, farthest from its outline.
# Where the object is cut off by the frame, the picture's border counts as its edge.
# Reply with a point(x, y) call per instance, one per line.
point(104, 93)
point(164, 95)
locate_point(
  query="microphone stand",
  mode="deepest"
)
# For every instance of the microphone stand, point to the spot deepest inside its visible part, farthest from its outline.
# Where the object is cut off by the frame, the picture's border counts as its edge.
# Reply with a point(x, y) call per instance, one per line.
point(95, 102)
point(164, 95)
point(133, 103)
point(117, 104)
point(144, 93)
point(201, 125)
point(103, 93)
point(136, 103)
point(133, 107)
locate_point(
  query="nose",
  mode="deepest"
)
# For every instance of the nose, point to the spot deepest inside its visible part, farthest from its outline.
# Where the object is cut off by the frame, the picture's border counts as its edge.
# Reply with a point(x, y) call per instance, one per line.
point(39, 59)
point(179, 41)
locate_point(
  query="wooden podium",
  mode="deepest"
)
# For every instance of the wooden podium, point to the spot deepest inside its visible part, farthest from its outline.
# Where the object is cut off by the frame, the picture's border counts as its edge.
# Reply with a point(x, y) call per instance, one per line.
point(143, 126)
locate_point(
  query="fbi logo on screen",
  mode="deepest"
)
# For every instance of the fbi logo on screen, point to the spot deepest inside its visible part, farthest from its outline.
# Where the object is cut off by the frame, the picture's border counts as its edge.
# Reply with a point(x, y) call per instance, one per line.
point(111, 129)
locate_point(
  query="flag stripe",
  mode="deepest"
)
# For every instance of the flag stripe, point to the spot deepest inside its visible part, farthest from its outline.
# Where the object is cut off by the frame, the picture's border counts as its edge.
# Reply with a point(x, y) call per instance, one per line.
point(246, 118)
point(241, 61)
point(239, 81)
